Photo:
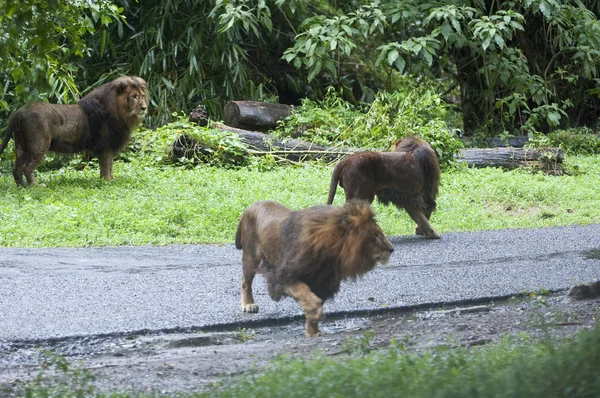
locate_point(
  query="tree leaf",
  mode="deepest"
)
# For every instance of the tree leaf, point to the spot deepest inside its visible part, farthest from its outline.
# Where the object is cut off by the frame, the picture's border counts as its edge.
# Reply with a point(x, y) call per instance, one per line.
point(485, 44)
point(446, 30)
point(553, 118)
point(400, 64)
point(314, 71)
point(499, 41)
point(392, 57)
point(545, 9)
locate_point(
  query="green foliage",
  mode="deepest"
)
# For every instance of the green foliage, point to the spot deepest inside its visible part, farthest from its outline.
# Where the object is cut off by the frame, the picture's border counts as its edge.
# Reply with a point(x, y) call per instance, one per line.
point(198, 52)
point(360, 345)
point(514, 368)
point(579, 141)
point(335, 122)
point(67, 381)
point(325, 43)
point(40, 43)
point(518, 67)
point(521, 65)
point(187, 144)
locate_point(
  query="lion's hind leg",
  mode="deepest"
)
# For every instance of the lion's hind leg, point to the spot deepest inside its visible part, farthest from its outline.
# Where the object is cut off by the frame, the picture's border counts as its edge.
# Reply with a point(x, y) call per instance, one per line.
point(250, 263)
point(19, 168)
point(424, 226)
point(311, 305)
point(25, 164)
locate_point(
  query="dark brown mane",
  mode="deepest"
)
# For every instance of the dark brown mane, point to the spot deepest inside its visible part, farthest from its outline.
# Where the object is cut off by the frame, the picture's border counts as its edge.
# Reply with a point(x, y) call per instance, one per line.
point(331, 247)
point(341, 232)
point(102, 109)
point(424, 155)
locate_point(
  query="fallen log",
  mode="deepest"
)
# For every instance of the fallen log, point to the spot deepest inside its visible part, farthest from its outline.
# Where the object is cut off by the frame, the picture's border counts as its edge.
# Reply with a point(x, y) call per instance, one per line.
point(510, 158)
point(254, 115)
point(264, 144)
point(296, 150)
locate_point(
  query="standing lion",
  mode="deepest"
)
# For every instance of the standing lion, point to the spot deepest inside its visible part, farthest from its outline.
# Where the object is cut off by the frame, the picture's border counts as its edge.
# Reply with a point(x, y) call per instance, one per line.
point(101, 123)
point(306, 254)
point(407, 177)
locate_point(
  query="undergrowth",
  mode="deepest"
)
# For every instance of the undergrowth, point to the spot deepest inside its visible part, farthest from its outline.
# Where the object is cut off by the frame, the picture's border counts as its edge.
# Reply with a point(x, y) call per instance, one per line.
point(335, 122)
point(514, 368)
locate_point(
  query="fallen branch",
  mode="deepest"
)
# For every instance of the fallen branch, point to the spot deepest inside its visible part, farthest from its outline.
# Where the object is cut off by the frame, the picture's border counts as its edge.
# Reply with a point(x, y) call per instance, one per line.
point(289, 148)
point(255, 115)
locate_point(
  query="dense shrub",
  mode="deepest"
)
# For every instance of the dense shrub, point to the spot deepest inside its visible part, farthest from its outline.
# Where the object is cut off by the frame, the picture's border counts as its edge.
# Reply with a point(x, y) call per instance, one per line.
point(335, 122)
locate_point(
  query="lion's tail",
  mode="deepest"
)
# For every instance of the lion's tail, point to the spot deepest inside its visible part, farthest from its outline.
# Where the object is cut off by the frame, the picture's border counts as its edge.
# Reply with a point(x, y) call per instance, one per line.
point(335, 178)
point(8, 134)
point(238, 234)
point(427, 157)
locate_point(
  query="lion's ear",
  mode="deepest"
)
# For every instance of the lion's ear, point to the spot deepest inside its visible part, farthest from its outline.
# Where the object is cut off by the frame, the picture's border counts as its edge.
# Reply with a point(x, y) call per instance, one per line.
point(348, 223)
point(121, 86)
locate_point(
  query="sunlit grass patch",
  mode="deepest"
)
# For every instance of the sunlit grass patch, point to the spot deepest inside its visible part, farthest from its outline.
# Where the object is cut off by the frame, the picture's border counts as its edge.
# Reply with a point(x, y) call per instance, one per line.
point(164, 205)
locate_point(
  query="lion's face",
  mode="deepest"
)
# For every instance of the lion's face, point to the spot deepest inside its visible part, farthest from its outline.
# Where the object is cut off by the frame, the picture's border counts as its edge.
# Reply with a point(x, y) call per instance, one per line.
point(377, 247)
point(381, 248)
point(132, 101)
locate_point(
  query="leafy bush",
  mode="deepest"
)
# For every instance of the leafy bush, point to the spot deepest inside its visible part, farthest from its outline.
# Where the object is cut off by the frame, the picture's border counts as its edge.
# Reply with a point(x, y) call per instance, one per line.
point(576, 141)
point(335, 122)
point(185, 143)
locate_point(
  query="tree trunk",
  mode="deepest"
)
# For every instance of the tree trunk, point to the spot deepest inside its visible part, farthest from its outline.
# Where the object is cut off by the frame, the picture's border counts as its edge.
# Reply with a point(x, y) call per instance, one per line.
point(510, 158)
point(253, 115)
point(263, 144)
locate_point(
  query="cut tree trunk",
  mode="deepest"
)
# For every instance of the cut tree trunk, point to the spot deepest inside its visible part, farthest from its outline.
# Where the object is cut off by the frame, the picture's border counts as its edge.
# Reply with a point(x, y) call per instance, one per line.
point(253, 115)
point(510, 158)
point(264, 144)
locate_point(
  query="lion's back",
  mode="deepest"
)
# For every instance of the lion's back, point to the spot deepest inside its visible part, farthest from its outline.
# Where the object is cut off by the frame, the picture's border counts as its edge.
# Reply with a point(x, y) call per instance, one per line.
point(65, 127)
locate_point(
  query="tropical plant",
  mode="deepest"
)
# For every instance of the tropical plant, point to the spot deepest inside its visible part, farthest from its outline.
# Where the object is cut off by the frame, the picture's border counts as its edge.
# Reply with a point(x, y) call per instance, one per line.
point(520, 65)
point(41, 42)
point(336, 122)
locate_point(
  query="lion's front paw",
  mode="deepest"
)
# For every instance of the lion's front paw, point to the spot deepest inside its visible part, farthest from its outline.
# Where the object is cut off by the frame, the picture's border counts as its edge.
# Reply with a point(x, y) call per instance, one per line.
point(429, 234)
point(312, 330)
point(250, 307)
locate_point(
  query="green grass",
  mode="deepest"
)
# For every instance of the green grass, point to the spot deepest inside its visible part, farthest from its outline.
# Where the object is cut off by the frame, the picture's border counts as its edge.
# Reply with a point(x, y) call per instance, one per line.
point(158, 206)
point(510, 369)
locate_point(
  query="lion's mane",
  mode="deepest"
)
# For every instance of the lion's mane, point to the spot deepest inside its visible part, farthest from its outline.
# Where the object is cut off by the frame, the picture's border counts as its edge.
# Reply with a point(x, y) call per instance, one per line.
point(323, 245)
point(110, 121)
point(419, 153)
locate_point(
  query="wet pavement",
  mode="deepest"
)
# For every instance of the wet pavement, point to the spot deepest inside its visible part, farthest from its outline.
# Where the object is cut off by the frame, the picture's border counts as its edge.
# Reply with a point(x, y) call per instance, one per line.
point(56, 294)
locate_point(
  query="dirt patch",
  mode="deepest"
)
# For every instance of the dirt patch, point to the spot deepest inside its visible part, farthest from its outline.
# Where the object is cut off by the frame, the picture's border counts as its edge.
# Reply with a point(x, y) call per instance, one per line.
point(195, 361)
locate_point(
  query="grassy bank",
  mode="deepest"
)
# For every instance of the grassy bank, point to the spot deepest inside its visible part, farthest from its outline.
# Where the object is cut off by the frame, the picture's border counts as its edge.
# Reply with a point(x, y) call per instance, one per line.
point(159, 206)
point(511, 369)
point(517, 367)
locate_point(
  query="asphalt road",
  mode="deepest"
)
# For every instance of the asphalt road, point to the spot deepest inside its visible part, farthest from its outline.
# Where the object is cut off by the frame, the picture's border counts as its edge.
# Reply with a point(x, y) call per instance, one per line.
point(48, 294)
